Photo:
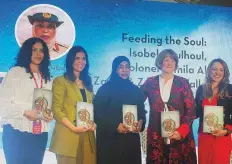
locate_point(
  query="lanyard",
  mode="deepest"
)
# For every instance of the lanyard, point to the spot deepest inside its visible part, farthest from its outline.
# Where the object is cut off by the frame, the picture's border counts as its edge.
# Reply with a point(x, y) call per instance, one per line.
point(37, 124)
point(41, 81)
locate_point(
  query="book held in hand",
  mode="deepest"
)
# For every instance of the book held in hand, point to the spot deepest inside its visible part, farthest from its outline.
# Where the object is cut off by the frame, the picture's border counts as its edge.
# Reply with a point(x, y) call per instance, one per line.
point(42, 101)
point(84, 115)
point(213, 118)
point(130, 117)
point(170, 121)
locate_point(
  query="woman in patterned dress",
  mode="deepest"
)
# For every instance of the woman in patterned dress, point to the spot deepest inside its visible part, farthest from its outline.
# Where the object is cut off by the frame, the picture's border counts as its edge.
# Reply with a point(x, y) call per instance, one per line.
point(169, 92)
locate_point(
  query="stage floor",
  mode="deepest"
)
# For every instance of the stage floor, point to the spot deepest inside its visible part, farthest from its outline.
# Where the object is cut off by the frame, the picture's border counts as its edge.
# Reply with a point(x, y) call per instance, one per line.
point(49, 158)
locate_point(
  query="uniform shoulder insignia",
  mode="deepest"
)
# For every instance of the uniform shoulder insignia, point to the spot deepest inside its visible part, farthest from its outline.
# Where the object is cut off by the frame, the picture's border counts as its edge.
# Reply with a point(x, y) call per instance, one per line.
point(61, 45)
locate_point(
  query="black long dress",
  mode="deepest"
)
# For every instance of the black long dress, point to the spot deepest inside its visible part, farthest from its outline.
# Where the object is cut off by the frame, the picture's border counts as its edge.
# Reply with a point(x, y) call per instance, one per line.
point(112, 147)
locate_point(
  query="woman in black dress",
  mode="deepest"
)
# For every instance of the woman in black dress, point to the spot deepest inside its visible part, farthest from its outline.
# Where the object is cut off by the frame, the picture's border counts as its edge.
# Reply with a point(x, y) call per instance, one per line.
point(116, 144)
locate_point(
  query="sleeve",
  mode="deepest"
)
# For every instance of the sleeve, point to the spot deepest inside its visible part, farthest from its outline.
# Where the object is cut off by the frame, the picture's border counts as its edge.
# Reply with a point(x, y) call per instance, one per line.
point(9, 108)
point(189, 111)
point(228, 116)
point(141, 110)
point(197, 100)
point(229, 127)
point(106, 121)
point(228, 124)
point(58, 90)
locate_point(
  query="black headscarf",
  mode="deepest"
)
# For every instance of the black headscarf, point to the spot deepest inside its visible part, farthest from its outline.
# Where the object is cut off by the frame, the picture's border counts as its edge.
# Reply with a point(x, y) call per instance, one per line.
point(116, 62)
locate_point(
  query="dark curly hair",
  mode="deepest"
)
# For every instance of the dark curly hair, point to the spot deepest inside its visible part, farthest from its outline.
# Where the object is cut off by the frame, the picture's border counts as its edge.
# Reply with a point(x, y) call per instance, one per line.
point(84, 75)
point(24, 58)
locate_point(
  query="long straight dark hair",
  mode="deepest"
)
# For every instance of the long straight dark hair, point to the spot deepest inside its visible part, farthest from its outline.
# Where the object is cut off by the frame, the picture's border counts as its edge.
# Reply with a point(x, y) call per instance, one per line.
point(24, 57)
point(84, 75)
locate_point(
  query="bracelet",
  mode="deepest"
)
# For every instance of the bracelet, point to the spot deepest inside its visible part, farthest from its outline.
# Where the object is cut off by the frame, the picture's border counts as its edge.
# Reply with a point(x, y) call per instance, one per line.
point(228, 131)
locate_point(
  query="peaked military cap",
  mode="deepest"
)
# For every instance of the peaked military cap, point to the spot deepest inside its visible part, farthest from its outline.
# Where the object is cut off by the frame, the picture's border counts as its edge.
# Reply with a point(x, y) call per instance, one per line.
point(47, 17)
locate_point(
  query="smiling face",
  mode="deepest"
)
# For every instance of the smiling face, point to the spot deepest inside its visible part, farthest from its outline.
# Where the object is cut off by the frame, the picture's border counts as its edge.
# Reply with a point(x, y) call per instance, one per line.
point(37, 53)
point(217, 72)
point(169, 65)
point(79, 62)
point(123, 70)
point(45, 30)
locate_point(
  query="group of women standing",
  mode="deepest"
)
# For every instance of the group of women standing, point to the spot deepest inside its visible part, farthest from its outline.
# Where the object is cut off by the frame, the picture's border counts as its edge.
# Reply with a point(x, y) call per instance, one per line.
point(114, 142)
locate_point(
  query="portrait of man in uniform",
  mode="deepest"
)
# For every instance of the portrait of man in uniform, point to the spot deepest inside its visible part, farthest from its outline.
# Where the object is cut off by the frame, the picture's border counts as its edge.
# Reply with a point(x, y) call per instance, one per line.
point(45, 22)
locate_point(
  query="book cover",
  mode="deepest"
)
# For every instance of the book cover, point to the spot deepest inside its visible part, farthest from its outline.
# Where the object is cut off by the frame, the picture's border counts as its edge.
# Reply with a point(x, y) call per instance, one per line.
point(130, 117)
point(84, 115)
point(42, 101)
point(213, 118)
point(170, 121)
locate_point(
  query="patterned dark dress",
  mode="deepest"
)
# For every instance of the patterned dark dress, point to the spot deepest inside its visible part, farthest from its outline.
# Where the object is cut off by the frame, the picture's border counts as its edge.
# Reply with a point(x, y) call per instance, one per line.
point(181, 99)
